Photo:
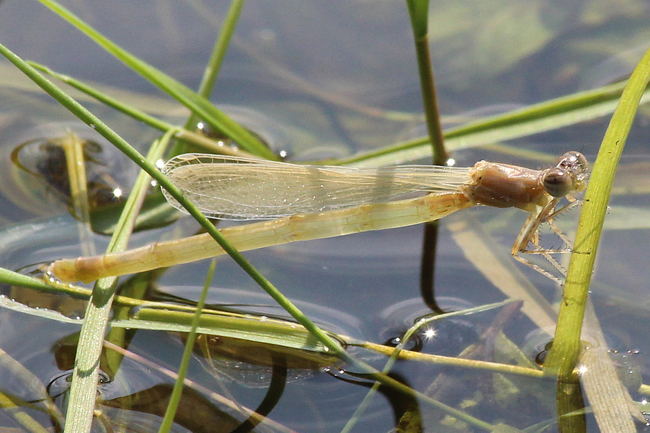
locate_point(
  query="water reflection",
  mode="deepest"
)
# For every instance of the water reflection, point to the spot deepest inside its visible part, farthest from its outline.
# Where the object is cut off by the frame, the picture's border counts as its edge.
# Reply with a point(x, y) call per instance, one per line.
point(338, 78)
point(445, 337)
point(45, 159)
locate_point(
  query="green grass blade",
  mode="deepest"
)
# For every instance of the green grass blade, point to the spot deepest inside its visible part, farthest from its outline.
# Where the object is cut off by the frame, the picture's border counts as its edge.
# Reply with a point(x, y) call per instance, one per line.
point(175, 397)
point(184, 135)
point(87, 117)
point(240, 330)
point(567, 345)
point(218, 53)
point(13, 406)
point(122, 233)
point(195, 102)
point(83, 390)
point(181, 134)
point(545, 116)
point(419, 14)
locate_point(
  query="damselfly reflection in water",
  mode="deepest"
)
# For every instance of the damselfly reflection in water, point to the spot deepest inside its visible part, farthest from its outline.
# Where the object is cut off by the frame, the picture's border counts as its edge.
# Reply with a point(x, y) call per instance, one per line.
point(312, 202)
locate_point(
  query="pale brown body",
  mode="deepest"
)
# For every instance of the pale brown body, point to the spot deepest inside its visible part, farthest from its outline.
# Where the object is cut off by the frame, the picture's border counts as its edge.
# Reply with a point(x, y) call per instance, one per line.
point(490, 184)
point(503, 186)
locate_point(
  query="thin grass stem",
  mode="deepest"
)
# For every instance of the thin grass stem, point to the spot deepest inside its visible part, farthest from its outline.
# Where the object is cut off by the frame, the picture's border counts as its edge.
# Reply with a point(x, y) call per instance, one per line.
point(419, 12)
point(216, 58)
point(175, 397)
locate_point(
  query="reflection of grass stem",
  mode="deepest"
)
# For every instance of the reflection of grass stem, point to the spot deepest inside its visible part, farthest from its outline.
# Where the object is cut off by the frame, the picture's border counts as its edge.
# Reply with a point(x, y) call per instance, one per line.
point(73, 148)
point(566, 345)
point(419, 14)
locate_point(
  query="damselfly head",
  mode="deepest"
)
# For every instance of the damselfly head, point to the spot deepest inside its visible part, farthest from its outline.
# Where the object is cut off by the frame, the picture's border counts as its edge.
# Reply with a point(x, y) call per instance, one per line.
point(569, 175)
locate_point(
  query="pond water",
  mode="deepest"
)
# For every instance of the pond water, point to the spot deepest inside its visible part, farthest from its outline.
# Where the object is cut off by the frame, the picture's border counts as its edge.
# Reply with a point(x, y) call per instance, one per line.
point(320, 80)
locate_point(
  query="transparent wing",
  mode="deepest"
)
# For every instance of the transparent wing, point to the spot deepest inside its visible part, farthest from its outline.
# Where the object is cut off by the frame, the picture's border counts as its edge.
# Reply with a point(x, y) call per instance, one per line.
point(244, 189)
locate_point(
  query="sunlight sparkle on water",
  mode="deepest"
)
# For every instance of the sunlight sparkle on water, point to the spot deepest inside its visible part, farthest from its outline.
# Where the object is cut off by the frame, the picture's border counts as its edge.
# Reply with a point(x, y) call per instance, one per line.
point(430, 333)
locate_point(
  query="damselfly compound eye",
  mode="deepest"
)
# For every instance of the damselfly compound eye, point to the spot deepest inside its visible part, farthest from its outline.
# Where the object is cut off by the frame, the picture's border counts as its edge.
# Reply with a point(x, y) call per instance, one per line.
point(558, 182)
